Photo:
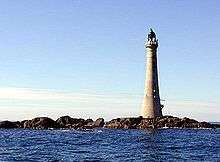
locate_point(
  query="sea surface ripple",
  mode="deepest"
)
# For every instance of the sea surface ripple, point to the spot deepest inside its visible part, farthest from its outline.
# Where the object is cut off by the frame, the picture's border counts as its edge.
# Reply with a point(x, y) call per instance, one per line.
point(110, 145)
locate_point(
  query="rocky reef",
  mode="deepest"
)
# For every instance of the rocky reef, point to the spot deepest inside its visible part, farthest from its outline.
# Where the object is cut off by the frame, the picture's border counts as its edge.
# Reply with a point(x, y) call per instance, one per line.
point(62, 122)
point(159, 122)
point(66, 122)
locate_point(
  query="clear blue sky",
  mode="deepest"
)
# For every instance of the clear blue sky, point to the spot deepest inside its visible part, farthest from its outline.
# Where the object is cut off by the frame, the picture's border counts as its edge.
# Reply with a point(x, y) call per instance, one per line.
point(87, 58)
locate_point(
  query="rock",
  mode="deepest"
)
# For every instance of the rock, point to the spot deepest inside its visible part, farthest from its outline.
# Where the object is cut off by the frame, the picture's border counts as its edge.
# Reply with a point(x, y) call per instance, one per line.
point(99, 122)
point(216, 125)
point(64, 120)
point(187, 120)
point(94, 124)
point(19, 124)
point(189, 123)
point(88, 121)
point(41, 123)
point(22, 123)
point(118, 123)
point(9, 124)
point(159, 122)
point(78, 120)
point(146, 123)
point(77, 125)
point(127, 123)
point(68, 122)
point(132, 122)
point(89, 125)
point(114, 123)
point(205, 125)
point(67, 126)
point(168, 121)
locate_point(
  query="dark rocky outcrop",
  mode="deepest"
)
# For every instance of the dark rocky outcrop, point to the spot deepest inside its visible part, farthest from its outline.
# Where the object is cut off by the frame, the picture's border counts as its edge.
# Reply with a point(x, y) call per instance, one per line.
point(67, 122)
point(64, 120)
point(95, 124)
point(159, 122)
point(9, 124)
point(88, 121)
point(123, 123)
point(75, 123)
point(40, 123)
point(99, 122)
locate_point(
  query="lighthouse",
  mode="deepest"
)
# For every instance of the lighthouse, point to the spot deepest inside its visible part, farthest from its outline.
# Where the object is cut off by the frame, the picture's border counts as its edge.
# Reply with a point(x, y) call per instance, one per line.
point(151, 104)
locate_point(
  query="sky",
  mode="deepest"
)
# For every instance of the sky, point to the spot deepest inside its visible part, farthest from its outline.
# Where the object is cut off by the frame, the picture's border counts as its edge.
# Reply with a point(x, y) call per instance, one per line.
point(86, 58)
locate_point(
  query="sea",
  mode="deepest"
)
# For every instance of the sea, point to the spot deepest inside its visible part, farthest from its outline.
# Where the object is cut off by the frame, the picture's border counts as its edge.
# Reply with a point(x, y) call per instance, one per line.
point(110, 145)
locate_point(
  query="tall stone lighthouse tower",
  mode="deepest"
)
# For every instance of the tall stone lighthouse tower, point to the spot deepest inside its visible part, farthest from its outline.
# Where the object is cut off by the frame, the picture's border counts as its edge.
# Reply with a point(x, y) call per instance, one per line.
point(151, 105)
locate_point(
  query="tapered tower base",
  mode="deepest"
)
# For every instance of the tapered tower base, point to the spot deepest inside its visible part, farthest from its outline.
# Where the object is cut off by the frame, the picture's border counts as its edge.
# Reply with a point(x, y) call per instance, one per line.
point(151, 103)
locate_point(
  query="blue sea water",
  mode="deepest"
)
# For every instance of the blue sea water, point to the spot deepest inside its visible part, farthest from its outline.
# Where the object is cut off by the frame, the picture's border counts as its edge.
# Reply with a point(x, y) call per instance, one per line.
point(110, 145)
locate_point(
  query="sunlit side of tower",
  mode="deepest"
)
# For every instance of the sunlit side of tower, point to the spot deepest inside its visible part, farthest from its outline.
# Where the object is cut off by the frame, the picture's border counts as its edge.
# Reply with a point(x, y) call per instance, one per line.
point(151, 104)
